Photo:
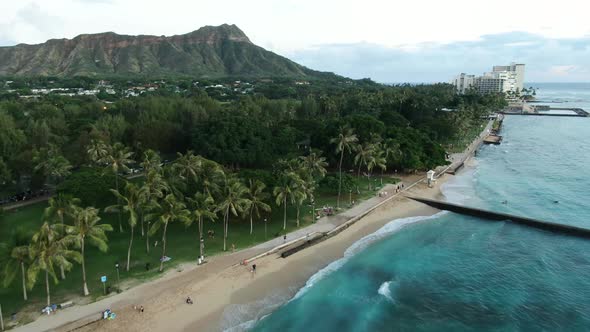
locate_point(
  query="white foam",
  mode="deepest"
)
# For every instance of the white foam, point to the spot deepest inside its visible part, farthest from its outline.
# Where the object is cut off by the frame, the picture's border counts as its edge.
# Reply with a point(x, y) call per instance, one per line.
point(361, 245)
point(385, 291)
point(236, 319)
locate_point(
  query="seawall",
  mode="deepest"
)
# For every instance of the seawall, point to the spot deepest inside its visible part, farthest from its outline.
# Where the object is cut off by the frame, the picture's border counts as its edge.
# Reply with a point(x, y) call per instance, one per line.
point(497, 216)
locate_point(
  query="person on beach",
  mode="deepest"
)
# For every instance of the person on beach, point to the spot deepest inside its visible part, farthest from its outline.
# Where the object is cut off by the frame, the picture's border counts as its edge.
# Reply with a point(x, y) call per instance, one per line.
point(284, 238)
point(189, 300)
point(253, 268)
point(141, 309)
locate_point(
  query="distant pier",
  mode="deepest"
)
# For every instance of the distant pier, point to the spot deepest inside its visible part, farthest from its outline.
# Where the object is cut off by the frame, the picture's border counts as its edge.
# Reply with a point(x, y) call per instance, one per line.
point(496, 216)
point(544, 110)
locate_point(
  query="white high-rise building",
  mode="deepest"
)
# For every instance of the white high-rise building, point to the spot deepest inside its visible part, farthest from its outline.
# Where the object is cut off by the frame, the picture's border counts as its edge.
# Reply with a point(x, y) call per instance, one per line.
point(506, 79)
point(513, 74)
point(463, 82)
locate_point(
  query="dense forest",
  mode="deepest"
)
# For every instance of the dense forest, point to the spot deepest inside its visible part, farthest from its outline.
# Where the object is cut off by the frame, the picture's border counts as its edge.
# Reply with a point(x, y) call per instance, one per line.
point(248, 132)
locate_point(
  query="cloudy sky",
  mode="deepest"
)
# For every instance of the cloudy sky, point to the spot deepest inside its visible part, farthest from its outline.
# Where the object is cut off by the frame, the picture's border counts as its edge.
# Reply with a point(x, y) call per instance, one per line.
point(387, 40)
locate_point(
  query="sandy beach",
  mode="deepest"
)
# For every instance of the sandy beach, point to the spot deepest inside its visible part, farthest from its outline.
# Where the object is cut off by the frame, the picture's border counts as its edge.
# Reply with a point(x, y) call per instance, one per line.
point(225, 293)
point(225, 296)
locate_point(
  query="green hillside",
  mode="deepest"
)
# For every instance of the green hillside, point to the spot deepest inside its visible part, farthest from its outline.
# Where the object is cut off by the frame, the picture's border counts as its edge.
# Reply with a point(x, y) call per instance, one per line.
point(221, 51)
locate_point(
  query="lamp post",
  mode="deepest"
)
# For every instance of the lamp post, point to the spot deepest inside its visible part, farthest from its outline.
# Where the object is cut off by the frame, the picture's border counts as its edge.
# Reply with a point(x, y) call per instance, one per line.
point(265, 228)
point(118, 280)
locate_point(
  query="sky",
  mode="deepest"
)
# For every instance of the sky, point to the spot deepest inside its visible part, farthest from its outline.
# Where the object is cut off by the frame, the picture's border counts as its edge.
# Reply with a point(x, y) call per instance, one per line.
point(386, 40)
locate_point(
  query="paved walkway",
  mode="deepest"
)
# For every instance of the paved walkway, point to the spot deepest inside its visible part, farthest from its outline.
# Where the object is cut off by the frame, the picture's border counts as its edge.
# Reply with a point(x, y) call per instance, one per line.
point(458, 159)
point(77, 316)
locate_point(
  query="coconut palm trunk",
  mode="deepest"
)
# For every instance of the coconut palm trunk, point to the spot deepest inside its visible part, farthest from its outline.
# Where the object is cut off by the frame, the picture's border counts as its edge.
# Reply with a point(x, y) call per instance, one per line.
point(22, 270)
point(200, 236)
point(147, 239)
point(129, 249)
point(285, 214)
point(340, 177)
point(298, 208)
point(86, 292)
point(358, 179)
point(163, 248)
point(251, 222)
point(61, 268)
point(225, 227)
point(47, 288)
point(141, 216)
point(118, 202)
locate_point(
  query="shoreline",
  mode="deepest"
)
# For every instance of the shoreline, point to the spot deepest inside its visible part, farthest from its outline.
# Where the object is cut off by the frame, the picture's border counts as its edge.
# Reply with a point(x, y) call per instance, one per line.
point(227, 298)
point(285, 278)
point(221, 285)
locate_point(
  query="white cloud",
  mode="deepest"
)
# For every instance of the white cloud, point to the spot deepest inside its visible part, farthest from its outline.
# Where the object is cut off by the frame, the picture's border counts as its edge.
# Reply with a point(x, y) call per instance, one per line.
point(432, 62)
point(290, 25)
point(563, 70)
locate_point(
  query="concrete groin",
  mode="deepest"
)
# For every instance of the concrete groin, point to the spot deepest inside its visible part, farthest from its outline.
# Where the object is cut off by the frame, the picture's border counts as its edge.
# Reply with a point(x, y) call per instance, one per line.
point(496, 216)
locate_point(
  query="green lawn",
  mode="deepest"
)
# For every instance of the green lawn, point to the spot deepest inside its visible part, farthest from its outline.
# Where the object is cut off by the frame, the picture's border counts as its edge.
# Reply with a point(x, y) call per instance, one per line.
point(182, 246)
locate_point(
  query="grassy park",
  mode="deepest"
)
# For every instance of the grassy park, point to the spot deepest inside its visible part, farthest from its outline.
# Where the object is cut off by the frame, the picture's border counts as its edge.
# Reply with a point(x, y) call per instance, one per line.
point(182, 247)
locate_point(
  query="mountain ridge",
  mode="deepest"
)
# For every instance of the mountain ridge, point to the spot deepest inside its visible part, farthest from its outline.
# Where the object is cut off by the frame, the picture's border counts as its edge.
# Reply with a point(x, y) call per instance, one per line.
point(210, 51)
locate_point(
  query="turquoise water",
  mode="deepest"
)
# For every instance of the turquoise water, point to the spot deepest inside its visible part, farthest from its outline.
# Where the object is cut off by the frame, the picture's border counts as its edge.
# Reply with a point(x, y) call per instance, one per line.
point(457, 273)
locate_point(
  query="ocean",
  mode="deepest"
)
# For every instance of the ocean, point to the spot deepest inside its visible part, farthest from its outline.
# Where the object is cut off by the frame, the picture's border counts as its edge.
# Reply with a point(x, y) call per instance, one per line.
point(450, 272)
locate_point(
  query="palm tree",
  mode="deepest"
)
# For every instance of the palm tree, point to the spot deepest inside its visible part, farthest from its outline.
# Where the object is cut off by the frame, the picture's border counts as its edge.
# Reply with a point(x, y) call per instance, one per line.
point(256, 198)
point(118, 160)
point(314, 164)
point(129, 202)
point(309, 189)
point(285, 191)
point(169, 210)
point(53, 165)
point(344, 142)
point(378, 160)
point(234, 202)
point(47, 250)
point(87, 229)
point(59, 207)
point(151, 161)
point(299, 196)
point(202, 206)
point(18, 256)
point(185, 169)
point(152, 190)
point(98, 152)
point(375, 159)
point(391, 148)
point(211, 176)
point(362, 157)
